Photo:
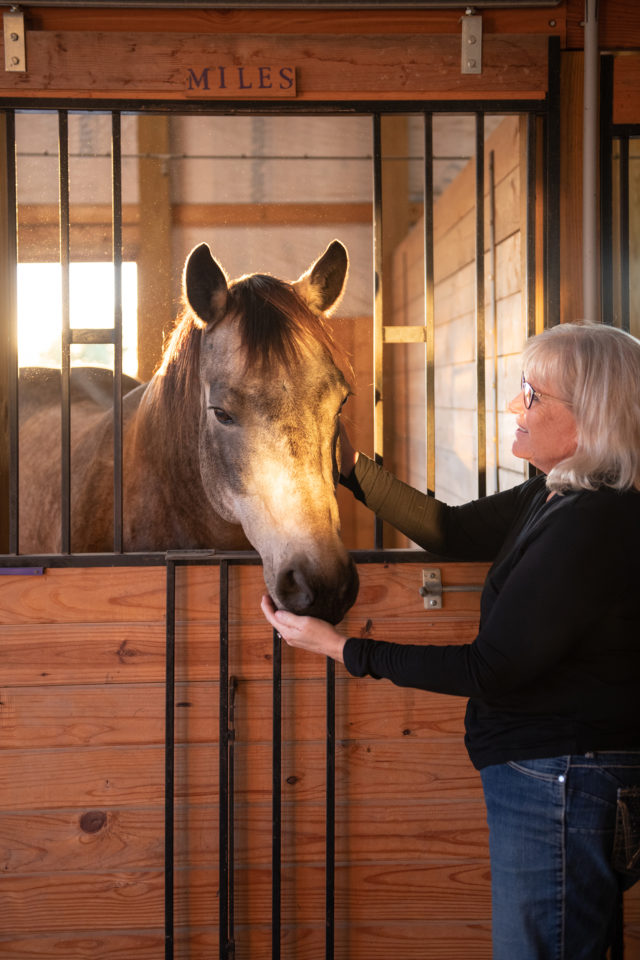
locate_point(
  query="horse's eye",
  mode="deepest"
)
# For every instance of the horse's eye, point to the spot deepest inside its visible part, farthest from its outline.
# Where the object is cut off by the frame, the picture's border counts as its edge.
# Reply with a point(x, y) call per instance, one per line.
point(222, 416)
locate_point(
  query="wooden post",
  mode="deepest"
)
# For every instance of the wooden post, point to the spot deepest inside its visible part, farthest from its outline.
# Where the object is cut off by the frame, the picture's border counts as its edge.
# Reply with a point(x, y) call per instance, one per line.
point(155, 306)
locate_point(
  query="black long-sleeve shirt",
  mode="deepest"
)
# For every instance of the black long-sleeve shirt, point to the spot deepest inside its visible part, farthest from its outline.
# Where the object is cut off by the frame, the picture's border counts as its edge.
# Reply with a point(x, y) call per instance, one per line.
point(555, 667)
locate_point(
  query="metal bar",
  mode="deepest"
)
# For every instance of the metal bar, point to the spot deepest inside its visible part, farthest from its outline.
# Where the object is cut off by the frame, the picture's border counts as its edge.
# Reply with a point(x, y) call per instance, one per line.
point(225, 799)
point(330, 829)
point(480, 313)
point(91, 335)
point(276, 800)
point(624, 234)
point(169, 759)
point(11, 300)
point(530, 240)
point(116, 186)
point(590, 164)
point(378, 320)
point(429, 305)
point(606, 184)
point(275, 108)
point(552, 189)
point(65, 378)
point(494, 315)
point(531, 234)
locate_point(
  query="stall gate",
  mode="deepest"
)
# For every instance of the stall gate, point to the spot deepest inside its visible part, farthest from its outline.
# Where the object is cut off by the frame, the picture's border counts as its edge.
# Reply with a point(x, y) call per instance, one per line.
point(174, 782)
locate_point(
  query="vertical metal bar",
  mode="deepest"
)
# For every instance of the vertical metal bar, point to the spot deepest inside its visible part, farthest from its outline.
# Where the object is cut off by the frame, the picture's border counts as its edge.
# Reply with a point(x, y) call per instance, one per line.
point(493, 310)
point(65, 399)
point(429, 305)
point(378, 407)
point(530, 239)
point(116, 188)
point(276, 800)
point(624, 233)
point(590, 163)
point(480, 313)
point(169, 758)
point(11, 301)
point(225, 932)
point(606, 184)
point(552, 188)
point(531, 234)
point(330, 828)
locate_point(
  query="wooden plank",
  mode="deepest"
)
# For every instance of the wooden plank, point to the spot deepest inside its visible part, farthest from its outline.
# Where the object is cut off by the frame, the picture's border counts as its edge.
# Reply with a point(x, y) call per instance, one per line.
point(58, 654)
point(129, 839)
point(135, 900)
point(626, 88)
point(400, 66)
point(103, 778)
point(618, 25)
point(124, 714)
point(90, 595)
point(354, 23)
point(415, 941)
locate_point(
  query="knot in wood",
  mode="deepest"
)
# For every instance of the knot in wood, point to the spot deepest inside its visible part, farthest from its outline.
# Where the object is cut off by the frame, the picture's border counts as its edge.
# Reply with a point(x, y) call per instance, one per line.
point(93, 821)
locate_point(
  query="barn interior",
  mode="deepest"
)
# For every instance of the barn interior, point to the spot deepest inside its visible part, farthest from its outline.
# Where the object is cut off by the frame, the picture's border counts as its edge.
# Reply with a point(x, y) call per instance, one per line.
point(173, 782)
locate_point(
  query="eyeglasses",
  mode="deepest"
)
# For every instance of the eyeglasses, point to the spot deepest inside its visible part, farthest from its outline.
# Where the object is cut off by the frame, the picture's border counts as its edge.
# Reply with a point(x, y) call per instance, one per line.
point(529, 394)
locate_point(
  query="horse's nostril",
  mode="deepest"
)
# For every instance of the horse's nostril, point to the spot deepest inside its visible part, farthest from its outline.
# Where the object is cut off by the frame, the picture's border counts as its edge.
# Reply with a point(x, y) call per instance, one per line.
point(294, 590)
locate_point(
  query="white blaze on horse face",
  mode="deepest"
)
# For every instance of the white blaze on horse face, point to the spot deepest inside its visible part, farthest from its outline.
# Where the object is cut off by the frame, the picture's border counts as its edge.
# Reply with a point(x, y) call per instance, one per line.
point(268, 462)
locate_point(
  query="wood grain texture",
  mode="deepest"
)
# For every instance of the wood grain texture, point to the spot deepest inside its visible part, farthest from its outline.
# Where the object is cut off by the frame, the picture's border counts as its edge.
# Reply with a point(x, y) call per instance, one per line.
point(400, 66)
point(82, 773)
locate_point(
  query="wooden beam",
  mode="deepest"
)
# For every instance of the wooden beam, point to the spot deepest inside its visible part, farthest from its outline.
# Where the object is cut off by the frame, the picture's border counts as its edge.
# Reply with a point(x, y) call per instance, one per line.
point(395, 66)
point(155, 302)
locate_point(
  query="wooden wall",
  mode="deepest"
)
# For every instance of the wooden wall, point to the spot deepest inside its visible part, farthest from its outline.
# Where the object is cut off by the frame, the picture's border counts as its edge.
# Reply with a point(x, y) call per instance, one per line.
point(82, 774)
point(82, 765)
point(455, 329)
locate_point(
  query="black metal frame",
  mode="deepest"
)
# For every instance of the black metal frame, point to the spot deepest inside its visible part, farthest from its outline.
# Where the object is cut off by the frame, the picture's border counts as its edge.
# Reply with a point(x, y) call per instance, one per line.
point(548, 111)
point(623, 134)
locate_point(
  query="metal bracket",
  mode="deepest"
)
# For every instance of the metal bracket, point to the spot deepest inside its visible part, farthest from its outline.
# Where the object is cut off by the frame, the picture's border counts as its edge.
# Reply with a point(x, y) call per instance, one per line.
point(432, 588)
point(15, 54)
point(471, 54)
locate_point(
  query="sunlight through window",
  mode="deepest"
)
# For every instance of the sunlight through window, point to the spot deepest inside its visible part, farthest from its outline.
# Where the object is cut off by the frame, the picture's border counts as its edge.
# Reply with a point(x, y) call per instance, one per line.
point(91, 305)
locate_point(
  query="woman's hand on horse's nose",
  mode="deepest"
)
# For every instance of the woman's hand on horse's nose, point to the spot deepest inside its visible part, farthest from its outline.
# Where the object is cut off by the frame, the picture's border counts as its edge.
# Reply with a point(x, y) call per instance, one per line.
point(308, 633)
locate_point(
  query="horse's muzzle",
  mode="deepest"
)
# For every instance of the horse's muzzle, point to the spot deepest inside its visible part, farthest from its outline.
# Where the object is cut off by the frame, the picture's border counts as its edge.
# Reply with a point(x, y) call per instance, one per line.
point(328, 594)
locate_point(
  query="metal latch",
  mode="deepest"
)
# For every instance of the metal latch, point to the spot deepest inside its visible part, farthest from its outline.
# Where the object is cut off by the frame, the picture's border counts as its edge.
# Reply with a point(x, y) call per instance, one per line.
point(432, 588)
point(15, 56)
point(471, 56)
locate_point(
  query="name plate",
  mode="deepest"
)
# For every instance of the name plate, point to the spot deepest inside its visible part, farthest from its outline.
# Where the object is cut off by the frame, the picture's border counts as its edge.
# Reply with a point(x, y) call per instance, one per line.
point(249, 80)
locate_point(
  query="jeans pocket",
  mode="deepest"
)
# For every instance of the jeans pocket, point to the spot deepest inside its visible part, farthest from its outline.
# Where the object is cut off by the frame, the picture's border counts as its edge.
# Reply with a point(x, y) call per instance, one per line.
point(626, 842)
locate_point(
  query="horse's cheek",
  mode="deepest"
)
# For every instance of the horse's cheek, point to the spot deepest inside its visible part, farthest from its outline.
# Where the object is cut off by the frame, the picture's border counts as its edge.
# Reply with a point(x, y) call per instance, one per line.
point(220, 476)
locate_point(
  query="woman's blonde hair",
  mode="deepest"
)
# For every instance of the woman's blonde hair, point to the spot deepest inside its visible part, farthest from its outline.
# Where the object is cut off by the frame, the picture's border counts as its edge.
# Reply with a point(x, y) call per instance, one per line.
point(596, 368)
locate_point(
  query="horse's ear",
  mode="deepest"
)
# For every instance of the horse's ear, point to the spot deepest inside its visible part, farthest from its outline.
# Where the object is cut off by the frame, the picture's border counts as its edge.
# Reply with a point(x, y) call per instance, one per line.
point(322, 285)
point(204, 285)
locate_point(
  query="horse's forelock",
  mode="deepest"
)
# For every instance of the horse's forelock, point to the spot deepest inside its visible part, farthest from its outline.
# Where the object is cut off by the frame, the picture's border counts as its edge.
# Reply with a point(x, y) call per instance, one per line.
point(274, 322)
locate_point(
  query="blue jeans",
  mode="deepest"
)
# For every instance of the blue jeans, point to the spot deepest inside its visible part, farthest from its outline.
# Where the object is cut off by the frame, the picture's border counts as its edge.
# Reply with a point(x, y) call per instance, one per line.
point(564, 837)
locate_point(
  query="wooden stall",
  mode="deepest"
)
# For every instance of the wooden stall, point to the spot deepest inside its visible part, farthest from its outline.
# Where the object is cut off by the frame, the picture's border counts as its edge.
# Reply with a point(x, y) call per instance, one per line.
point(392, 859)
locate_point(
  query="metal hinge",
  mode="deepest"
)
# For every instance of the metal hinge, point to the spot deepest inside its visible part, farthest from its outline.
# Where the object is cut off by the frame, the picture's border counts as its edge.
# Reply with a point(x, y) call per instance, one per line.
point(471, 55)
point(15, 54)
point(432, 588)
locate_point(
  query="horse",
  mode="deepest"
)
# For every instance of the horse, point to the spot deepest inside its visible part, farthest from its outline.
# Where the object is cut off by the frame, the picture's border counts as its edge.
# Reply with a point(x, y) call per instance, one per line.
point(233, 444)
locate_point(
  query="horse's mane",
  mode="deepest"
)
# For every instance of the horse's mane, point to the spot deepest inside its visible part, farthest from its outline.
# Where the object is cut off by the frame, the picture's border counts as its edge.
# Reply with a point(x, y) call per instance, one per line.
point(274, 324)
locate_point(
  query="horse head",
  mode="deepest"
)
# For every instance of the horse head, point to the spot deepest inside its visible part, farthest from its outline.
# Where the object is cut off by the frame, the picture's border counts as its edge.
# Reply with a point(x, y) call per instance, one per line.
point(271, 397)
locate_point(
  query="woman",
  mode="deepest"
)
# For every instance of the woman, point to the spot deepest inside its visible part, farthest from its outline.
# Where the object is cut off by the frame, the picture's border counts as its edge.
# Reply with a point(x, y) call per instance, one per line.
point(553, 677)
